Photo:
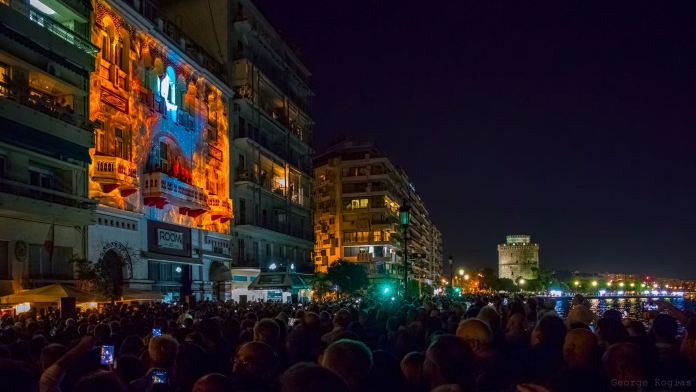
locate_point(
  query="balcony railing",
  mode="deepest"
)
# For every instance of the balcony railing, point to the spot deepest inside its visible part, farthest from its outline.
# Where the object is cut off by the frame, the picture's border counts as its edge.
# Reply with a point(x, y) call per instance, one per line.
point(52, 25)
point(161, 188)
point(44, 103)
point(221, 208)
point(115, 172)
point(45, 194)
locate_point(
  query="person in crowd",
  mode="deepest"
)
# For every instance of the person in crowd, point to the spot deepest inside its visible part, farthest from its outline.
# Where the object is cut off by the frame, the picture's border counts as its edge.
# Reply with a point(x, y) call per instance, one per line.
point(310, 377)
point(449, 360)
point(580, 348)
point(350, 359)
point(161, 354)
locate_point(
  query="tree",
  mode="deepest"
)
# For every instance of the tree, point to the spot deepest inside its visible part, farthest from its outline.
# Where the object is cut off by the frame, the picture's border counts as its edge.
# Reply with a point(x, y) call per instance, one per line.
point(544, 277)
point(350, 277)
point(100, 277)
point(321, 284)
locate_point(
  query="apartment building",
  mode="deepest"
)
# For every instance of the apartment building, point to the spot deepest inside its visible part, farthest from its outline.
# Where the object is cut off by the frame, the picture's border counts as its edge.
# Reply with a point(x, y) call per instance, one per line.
point(45, 61)
point(271, 131)
point(161, 156)
point(357, 199)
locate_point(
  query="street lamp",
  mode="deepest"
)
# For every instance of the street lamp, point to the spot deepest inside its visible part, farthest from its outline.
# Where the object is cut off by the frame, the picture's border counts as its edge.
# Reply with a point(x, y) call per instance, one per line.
point(466, 277)
point(451, 281)
point(404, 217)
point(576, 283)
point(594, 283)
point(461, 271)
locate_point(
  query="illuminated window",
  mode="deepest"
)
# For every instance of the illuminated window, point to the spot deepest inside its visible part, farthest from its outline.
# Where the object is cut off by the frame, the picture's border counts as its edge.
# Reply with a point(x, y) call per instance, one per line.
point(358, 203)
point(363, 236)
point(4, 78)
point(350, 236)
point(377, 236)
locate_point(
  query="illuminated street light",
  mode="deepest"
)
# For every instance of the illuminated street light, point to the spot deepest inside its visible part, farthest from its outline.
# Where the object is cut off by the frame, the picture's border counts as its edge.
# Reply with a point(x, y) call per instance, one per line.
point(632, 284)
point(577, 283)
point(621, 284)
point(461, 271)
point(466, 277)
point(609, 283)
point(521, 281)
point(594, 283)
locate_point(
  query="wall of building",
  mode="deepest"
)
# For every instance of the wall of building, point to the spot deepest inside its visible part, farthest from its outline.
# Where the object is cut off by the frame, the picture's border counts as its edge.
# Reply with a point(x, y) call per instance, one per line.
point(518, 260)
point(160, 158)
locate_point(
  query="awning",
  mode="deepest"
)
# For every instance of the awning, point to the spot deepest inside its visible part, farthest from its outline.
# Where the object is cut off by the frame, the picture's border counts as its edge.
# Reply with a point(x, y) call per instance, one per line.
point(49, 294)
point(154, 256)
point(280, 280)
point(12, 132)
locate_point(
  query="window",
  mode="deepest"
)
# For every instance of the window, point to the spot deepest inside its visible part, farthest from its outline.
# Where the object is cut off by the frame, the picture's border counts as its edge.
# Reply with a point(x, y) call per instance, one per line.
point(242, 212)
point(100, 138)
point(122, 143)
point(350, 236)
point(43, 265)
point(40, 177)
point(357, 204)
point(164, 157)
point(268, 250)
point(363, 236)
point(377, 236)
point(242, 162)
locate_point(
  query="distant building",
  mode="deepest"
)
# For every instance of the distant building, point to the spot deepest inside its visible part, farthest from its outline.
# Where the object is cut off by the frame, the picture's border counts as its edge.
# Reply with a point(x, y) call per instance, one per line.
point(358, 195)
point(517, 257)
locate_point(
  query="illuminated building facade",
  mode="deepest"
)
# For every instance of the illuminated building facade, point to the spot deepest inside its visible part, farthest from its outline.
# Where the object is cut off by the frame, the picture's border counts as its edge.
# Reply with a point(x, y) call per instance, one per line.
point(45, 60)
point(271, 130)
point(160, 161)
point(518, 257)
point(357, 198)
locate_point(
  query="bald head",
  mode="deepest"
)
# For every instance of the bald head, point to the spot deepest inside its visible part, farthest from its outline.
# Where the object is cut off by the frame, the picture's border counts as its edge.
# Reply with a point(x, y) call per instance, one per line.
point(579, 348)
point(350, 359)
point(477, 334)
point(255, 360)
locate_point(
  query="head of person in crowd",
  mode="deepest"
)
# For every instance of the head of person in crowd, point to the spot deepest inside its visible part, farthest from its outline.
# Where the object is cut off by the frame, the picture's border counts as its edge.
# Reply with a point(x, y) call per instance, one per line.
point(609, 331)
point(310, 377)
point(612, 313)
point(625, 364)
point(101, 381)
point(580, 348)
point(161, 351)
point(191, 364)
point(17, 376)
point(664, 329)
point(412, 369)
point(350, 359)
point(213, 382)
point(516, 328)
point(267, 331)
point(478, 335)
point(129, 368)
point(448, 360)
point(635, 328)
point(341, 319)
point(550, 331)
point(255, 362)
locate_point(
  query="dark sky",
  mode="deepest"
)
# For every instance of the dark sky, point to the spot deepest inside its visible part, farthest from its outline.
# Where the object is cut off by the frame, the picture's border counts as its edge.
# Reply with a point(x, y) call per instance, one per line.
point(569, 121)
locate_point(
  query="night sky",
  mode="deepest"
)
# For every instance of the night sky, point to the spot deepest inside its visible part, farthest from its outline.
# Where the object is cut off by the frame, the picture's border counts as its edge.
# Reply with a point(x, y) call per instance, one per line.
point(570, 122)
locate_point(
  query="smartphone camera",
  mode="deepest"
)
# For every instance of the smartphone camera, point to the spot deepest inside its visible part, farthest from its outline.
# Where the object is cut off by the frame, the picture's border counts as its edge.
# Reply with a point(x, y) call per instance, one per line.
point(156, 331)
point(107, 355)
point(159, 376)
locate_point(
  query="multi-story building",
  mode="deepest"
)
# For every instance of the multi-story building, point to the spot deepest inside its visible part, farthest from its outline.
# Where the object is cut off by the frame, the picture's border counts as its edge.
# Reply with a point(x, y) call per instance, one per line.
point(518, 257)
point(45, 61)
point(357, 199)
point(271, 130)
point(161, 155)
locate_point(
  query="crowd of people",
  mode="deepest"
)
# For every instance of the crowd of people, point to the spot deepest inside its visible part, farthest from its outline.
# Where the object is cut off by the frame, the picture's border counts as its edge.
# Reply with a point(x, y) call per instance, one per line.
point(355, 344)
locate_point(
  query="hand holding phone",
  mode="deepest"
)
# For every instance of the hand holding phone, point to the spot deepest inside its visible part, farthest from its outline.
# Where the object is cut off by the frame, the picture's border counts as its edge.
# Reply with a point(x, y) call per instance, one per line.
point(156, 331)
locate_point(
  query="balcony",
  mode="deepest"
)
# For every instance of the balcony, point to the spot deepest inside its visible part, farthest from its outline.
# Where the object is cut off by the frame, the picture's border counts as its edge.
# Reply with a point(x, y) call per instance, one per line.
point(18, 196)
point(42, 102)
point(113, 172)
point(161, 189)
point(53, 26)
point(220, 208)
